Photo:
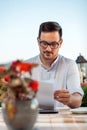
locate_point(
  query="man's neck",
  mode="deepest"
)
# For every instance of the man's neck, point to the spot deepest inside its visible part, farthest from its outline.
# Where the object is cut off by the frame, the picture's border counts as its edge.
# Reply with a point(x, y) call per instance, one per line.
point(46, 62)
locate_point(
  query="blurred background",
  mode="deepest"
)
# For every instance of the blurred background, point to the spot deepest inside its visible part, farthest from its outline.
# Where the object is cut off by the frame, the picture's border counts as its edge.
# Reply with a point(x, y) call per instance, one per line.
point(19, 25)
point(20, 20)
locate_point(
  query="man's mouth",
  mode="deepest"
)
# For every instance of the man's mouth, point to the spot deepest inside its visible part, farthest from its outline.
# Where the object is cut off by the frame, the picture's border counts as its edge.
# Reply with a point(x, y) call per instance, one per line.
point(48, 53)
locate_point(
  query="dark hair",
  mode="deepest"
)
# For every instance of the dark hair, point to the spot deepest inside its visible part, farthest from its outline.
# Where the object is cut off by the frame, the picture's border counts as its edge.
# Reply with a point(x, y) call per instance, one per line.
point(50, 27)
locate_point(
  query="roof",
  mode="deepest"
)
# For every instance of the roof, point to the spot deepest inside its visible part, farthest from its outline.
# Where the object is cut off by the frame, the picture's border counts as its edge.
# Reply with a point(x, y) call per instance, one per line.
point(81, 59)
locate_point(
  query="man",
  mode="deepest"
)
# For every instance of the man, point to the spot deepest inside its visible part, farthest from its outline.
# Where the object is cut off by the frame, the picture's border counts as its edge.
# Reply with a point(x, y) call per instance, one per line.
point(54, 66)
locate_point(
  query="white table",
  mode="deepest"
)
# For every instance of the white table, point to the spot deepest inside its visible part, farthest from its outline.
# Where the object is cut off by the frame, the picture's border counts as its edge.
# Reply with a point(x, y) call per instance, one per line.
point(64, 120)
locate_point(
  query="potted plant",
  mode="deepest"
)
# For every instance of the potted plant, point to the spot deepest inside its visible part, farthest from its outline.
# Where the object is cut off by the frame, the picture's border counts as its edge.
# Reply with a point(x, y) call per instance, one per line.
point(84, 100)
point(18, 95)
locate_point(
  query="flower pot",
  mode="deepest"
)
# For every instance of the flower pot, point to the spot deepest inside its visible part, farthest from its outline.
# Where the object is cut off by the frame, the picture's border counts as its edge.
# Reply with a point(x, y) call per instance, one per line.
point(24, 117)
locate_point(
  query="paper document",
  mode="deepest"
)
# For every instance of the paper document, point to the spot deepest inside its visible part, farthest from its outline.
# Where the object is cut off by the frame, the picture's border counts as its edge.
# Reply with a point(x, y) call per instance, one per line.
point(45, 95)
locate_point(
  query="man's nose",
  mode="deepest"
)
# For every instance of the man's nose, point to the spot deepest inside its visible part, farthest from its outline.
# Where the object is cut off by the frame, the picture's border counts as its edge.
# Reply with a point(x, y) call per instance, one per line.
point(48, 47)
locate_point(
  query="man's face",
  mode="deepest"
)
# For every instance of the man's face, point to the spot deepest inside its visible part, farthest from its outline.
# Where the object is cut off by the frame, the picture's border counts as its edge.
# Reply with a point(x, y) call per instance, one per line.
point(48, 50)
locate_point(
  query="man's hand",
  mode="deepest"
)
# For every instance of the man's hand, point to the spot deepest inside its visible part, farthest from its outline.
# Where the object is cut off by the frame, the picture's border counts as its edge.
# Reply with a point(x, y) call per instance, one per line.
point(64, 96)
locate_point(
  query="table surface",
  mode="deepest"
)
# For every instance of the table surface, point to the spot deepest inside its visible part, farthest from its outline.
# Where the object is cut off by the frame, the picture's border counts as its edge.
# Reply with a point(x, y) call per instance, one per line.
point(64, 120)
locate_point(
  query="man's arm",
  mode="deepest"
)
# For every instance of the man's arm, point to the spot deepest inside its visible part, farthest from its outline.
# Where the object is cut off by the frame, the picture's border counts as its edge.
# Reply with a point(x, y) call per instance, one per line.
point(75, 100)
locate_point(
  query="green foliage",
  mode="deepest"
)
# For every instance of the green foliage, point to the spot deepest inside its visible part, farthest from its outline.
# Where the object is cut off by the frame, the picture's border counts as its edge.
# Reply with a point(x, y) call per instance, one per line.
point(2, 90)
point(84, 100)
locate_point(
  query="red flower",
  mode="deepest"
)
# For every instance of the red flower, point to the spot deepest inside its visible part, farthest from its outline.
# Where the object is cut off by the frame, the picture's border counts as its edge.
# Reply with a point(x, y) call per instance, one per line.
point(13, 78)
point(2, 69)
point(34, 85)
point(20, 66)
point(84, 84)
point(6, 78)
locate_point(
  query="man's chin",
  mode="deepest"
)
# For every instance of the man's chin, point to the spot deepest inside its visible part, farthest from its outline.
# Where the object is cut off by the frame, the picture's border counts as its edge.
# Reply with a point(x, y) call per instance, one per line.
point(48, 57)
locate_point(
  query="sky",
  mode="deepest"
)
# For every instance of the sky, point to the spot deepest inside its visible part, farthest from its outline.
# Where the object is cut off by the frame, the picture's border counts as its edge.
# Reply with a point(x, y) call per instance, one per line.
point(20, 20)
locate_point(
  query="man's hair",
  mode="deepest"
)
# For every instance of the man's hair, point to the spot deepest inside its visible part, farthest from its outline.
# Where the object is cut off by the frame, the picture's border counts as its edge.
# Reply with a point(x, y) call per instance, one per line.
point(50, 27)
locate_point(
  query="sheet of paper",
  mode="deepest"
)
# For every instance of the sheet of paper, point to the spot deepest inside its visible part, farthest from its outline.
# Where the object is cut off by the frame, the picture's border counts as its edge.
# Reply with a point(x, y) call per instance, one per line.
point(45, 94)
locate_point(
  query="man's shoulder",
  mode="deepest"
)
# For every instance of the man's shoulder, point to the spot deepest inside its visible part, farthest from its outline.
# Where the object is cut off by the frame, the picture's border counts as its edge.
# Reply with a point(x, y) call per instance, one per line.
point(67, 64)
point(33, 59)
point(65, 60)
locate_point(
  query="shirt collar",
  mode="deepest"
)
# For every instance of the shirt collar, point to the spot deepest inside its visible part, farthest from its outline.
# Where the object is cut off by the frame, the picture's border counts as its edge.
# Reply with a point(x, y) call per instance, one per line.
point(53, 64)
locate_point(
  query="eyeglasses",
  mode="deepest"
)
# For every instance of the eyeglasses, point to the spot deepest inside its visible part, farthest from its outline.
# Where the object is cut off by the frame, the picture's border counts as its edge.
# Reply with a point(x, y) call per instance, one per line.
point(45, 44)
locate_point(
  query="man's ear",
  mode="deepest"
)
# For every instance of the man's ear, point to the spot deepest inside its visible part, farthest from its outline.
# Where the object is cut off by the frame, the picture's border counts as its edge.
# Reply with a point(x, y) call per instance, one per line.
point(61, 41)
point(38, 40)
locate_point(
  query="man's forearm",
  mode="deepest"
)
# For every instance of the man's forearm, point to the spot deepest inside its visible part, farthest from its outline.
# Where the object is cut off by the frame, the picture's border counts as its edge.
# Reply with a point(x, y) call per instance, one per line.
point(75, 100)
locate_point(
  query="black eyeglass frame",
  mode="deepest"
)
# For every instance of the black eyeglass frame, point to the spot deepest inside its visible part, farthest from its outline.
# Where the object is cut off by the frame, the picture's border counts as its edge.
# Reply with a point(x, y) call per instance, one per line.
point(45, 44)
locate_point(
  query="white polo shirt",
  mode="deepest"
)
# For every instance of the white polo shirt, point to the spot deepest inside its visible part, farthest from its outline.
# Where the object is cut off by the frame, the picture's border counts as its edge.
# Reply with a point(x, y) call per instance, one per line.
point(63, 71)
